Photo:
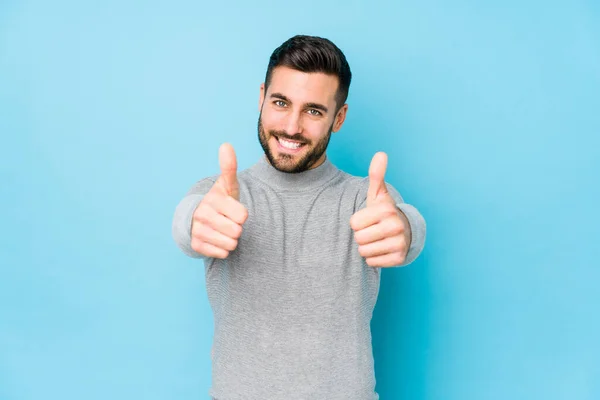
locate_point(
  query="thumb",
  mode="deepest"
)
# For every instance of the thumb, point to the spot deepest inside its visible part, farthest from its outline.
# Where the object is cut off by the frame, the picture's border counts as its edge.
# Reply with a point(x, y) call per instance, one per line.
point(377, 170)
point(228, 165)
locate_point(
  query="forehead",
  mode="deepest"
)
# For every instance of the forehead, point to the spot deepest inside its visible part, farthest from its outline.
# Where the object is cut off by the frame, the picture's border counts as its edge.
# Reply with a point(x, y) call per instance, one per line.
point(303, 87)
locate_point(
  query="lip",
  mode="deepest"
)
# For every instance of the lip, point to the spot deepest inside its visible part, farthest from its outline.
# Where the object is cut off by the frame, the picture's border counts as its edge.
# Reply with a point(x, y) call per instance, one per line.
point(286, 150)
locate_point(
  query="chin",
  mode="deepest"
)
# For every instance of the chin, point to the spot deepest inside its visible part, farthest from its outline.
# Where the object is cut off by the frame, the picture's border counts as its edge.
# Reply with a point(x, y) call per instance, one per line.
point(283, 161)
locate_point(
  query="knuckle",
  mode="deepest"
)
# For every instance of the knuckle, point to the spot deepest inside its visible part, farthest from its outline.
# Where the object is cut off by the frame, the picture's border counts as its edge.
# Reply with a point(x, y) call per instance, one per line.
point(399, 258)
point(358, 238)
point(402, 249)
point(201, 213)
point(399, 222)
point(197, 245)
point(200, 209)
point(232, 245)
point(237, 231)
point(244, 214)
point(394, 227)
point(223, 254)
point(400, 244)
point(361, 251)
point(196, 229)
point(199, 231)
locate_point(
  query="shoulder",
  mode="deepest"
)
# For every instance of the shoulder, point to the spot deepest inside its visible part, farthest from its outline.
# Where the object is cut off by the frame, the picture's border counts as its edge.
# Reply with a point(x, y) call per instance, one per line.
point(351, 187)
point(203, 185)
point(360, 185)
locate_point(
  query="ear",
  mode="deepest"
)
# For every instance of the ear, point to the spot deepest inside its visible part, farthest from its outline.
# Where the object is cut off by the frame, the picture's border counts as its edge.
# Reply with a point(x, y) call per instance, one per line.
point(340, 118)
point(261, 97)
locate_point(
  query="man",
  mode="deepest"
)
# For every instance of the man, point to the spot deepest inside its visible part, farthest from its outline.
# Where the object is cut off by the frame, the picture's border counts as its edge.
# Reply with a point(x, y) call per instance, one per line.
point(293, 247)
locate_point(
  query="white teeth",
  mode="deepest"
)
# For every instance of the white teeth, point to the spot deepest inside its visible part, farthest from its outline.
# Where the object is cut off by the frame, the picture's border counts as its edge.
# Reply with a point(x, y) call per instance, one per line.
point(289, 145)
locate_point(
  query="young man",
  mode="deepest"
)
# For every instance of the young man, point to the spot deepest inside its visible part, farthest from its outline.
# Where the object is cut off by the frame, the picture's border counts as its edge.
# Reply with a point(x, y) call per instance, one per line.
point(293, 246)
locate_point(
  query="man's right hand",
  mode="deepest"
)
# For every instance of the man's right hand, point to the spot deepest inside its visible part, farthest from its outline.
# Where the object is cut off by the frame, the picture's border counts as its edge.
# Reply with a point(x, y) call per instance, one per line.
point(218, 219)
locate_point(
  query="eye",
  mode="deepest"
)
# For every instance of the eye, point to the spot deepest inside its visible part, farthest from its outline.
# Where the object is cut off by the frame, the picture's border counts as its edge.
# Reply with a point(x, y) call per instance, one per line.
point(279, 103)
point(314, 112)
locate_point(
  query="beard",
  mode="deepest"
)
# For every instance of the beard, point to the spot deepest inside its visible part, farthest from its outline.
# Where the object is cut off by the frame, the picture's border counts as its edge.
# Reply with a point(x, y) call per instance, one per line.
point(288, 162)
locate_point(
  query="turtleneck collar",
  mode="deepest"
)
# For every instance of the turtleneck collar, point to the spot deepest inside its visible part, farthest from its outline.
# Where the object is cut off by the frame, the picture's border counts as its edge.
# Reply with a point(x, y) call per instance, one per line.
point(306, 180)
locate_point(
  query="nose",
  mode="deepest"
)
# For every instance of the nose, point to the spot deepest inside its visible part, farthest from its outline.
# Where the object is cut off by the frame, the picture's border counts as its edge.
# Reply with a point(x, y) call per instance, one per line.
point(293, 123)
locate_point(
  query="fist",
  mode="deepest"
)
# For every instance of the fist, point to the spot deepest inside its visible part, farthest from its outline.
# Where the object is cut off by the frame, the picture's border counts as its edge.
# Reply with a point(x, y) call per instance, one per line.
point(218, 219)
point(381, 230)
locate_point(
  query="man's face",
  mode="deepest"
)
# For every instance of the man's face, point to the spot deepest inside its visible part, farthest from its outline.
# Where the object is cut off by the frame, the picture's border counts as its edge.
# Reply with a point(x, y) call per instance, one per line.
point(297, 116)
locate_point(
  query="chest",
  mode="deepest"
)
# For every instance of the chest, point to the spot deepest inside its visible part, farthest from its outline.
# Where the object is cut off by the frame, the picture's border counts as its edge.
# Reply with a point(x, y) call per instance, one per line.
point(294, 227)
point(297, 249)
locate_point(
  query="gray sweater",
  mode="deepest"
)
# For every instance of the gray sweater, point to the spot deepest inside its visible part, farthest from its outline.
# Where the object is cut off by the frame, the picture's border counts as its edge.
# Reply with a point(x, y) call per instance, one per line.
point(293, 303)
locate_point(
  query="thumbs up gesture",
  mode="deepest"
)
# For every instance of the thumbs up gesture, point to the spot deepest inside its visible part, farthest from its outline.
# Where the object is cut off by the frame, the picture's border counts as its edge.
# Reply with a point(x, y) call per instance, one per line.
point(218, 219)
point(381, 230)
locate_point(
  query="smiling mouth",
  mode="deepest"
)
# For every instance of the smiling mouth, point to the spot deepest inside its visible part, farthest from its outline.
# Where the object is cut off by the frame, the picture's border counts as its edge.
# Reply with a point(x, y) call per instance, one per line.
point(289, 144)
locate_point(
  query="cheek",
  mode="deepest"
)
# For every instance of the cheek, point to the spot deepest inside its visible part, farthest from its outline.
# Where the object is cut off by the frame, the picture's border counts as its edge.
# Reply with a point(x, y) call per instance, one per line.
point(317, 129)
point(272, 120)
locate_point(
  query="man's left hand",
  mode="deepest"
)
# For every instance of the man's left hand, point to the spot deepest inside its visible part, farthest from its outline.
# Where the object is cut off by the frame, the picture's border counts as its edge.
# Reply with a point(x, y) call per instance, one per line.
point(381, 229)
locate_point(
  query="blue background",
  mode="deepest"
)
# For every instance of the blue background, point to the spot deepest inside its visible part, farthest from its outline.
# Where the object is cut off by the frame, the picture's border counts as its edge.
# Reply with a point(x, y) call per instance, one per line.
point(489, 112)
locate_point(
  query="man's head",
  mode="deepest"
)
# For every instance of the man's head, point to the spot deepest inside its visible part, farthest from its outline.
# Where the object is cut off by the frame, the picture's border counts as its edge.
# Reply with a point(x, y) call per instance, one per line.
point(302, 100)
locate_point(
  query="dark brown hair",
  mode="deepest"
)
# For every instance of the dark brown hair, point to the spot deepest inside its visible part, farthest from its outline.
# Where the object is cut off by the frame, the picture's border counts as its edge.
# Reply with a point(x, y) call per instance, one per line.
point(313, 54)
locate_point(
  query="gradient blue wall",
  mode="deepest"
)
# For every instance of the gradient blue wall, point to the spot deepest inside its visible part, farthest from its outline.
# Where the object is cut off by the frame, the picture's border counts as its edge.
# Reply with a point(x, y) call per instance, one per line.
point(490, 114)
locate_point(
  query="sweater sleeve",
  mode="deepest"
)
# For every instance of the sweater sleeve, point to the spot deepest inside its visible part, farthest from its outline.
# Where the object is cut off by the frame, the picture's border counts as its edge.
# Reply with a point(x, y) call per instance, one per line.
point(182, 220)
point(418, 227)
point(417, 224)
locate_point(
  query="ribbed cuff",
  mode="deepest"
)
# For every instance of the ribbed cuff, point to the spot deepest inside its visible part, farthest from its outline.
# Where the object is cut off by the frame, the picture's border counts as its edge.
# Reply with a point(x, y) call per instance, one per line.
point(182, 224)
point(418, 231)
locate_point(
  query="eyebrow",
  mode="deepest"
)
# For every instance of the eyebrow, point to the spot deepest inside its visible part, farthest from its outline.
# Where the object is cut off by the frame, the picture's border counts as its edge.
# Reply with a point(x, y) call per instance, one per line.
point(308, 105)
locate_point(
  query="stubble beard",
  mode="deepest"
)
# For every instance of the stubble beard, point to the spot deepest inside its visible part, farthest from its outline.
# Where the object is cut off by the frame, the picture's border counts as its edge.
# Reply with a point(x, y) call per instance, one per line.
point(287, 162)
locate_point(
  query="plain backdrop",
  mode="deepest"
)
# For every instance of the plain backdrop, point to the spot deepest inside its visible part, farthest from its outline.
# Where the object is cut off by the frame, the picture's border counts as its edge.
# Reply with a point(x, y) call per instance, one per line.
point(489, 112)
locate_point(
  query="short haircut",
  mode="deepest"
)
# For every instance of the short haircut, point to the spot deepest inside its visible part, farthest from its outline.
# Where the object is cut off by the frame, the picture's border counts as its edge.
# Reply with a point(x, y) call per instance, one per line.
point(313, 54)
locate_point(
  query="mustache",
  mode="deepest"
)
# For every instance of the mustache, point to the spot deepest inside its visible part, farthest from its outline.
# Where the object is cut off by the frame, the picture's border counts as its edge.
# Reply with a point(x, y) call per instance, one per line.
point(283, 134)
